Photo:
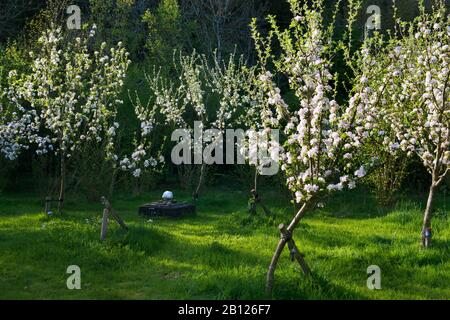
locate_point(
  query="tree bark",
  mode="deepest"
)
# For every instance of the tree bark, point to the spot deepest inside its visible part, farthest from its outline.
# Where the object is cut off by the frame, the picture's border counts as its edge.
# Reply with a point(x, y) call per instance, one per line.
point(256, 179)
point(62, 183)
point(281, 244)
point(114, 214)
point(273, 264)
point(429, 207)
point(428, 214)
point(295, 253)
point(256, 198)
point(113, 183)
point(119, 219)
point(254, 192)
point(200, 181)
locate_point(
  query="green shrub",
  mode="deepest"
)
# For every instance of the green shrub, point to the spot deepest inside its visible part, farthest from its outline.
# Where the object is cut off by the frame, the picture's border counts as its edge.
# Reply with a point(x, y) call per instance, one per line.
point(387, 177)
point(167, 32)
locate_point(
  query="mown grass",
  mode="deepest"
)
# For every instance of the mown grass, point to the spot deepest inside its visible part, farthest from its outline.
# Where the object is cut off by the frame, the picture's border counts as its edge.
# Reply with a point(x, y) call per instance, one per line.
point(221, 253)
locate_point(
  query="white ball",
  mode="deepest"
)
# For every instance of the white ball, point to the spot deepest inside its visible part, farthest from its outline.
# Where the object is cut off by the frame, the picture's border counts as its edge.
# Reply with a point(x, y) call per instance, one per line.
point(167, 195)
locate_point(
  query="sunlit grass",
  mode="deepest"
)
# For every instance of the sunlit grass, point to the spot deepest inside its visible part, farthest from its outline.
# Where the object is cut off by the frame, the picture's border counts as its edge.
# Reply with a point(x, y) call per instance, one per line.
point(221, 253)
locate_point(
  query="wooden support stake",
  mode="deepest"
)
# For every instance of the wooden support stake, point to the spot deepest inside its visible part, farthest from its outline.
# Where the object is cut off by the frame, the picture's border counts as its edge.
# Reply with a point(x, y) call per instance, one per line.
point(273, 265)
point(299, 257)
point(266, 210)
point(295, 254)
point(114, 214)
point(286, 236)
point(119, 220)
point(258, 200)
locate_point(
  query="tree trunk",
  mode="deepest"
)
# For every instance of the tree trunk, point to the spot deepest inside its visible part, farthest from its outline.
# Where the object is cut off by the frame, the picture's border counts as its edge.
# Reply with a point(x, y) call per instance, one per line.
point(136, 186)
point(114, 214)
point(253, 202)
point(426, 227)
point(281, 244)
point(200, 181)
point(113, 183)
point(118, 219)
point(256, 198)
point(273, 265)
point(295, 254)
point(62, 183)
point(256, 179)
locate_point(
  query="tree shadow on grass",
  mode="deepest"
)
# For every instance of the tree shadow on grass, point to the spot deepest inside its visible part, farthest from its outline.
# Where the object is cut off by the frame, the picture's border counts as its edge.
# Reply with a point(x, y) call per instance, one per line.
point(57, 249)
point(315, 286)
point(141, 239)
point(212, 255)
point(239, 284)
point(19, 207)
point(441, 244)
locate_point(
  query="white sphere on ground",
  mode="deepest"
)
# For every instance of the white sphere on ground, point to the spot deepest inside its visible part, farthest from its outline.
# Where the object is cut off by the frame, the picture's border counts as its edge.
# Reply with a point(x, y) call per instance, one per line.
point(167, 195)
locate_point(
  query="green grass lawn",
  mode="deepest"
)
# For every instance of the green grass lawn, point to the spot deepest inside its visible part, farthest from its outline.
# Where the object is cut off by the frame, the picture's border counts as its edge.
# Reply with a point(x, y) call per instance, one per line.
point(221, 253)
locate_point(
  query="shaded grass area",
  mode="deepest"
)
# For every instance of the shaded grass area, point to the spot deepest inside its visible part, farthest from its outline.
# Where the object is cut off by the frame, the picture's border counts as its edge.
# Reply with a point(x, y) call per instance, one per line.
point(222, 252)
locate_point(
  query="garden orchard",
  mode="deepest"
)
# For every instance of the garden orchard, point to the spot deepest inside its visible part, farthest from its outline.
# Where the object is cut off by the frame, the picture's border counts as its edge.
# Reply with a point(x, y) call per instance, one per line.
point(396, 100)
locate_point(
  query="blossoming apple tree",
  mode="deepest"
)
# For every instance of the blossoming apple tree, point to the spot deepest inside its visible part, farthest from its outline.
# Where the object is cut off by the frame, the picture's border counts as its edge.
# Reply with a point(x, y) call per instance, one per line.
point(66, 101)
point(322, 137)
point(417, 96)
point(208, 93)
point(257, 143)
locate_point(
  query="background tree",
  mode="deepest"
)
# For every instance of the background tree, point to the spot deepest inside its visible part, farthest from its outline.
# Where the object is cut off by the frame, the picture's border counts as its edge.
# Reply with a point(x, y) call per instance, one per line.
point(14, 14)
point(210, 94)
point(223, 24)
point(167, 32)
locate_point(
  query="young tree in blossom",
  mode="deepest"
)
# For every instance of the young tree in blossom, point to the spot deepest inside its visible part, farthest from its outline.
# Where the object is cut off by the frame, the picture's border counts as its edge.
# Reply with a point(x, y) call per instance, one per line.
point(172, 103)
point(207, 93)
point(144, 156)
point(67, 100)
point(323, 137)
point(416, 95)
point(255, 147)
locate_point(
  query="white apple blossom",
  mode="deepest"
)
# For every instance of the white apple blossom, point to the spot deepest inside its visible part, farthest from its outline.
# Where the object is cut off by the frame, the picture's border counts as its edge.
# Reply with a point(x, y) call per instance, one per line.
point(361, 172)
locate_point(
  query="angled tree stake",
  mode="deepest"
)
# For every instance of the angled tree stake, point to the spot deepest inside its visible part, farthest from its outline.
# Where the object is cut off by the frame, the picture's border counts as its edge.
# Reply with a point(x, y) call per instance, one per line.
point(107, 212)
point(258, 201)
point(286, 238)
